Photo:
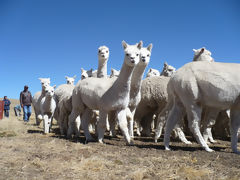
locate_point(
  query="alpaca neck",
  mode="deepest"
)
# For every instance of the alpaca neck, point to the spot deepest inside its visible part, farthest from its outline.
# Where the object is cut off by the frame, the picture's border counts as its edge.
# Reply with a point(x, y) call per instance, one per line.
point(124, 79)
point(49, 103)
point(43, 91)
point(137, 76)
point(102, 69)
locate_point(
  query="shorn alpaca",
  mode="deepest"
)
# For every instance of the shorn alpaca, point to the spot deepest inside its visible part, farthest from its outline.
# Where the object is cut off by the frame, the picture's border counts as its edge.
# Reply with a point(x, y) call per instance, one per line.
point(38, 97)
point(106, 95)
point(204, 84)
point(47, 108)
point(135, 90)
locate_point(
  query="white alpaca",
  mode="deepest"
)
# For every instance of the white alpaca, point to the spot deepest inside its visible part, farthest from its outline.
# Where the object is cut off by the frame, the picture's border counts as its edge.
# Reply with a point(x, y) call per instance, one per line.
point(38, 97)
point(204, 84)
point(168, 70)
point(114, 73)
point(64, 106)
point(135, 90)
point(202, 54)
point(85, 74)
point(103, 56)
point(47, 108)
point(70, 80)
point(153, 72)
point(106, 95)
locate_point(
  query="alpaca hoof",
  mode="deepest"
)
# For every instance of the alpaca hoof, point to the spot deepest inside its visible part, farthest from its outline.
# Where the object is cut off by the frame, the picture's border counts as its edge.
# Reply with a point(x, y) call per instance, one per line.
point(167, 148)
point(100, 141)
point(213, 141)
point(209, 149)
point(131, 143)
point(188, 142)
point(155, 140)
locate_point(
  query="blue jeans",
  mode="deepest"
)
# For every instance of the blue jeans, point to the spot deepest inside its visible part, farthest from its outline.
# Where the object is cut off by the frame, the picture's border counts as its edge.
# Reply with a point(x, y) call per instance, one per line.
point(27, 110)
point(6, 112)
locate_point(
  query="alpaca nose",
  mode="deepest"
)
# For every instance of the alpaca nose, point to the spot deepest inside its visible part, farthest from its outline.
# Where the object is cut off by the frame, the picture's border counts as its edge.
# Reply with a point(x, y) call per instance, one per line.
point(143, 59)
point(132, 61)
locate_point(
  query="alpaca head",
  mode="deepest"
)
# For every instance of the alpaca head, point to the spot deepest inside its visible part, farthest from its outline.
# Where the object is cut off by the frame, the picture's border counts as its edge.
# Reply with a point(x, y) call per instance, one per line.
point(145, 55)
point(114, 73)
point(85, 74)
point(132, 53)
point(70, 80)
point(49, 91)
point(153, 72)
point(202, 54)
point(168, 70)
point(44, 82)
point(103, 54)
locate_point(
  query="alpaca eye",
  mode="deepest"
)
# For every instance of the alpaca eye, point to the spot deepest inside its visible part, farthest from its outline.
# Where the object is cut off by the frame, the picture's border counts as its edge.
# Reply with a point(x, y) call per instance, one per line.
point(137, 54)
point(106, 51)
point(127, 54)
point(148, 55)
point(99, 51)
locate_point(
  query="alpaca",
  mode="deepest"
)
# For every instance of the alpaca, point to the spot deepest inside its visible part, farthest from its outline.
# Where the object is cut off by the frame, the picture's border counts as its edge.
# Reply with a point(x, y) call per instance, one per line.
point(114, 72)
point(47, 108)
point(153, 72)
point(204, 84)
point(103, 56)
point(135, 90)
point(70, 80)
point(106, 95)
point(202, 54)
point(85, 74)
point(168, 70)
point(64, 106)
point(38, 97)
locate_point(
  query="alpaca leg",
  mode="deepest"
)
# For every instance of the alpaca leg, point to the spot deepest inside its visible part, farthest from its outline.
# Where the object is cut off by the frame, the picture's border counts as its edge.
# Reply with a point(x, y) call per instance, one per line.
point(146, 124)
point(194, 118)
point(74, 123)
point(181, 134)
point(138, 127)
point(112, 123)
point(122, 121)
point(101, 126)
point(45, 124)
point(175, 115)
point(209, 120)
point(130, 116)
point(161, 120)
point(235, 125)
point(85, 123)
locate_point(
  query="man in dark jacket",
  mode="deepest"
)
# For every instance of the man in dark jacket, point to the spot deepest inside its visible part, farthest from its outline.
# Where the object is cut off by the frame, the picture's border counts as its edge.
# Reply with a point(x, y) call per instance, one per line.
point(25, 102)
point(6, 106)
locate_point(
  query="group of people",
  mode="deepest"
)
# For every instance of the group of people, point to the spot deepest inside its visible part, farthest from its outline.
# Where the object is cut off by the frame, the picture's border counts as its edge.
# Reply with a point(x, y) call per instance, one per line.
point(25, 103)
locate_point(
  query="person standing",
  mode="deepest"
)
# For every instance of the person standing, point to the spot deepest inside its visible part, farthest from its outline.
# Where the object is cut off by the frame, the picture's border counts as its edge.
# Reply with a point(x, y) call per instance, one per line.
point(6, 106)
point(25, 102)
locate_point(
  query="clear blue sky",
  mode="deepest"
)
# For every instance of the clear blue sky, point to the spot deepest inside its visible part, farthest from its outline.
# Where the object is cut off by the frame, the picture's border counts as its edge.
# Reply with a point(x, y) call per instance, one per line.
point(54, 38)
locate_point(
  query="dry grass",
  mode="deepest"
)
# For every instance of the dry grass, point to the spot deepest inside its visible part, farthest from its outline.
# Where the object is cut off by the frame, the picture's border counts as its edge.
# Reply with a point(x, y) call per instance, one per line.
point(26, 153)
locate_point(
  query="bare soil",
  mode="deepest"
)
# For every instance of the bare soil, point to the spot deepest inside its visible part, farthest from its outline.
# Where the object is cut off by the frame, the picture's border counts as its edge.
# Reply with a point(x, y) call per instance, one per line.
point(27, 153)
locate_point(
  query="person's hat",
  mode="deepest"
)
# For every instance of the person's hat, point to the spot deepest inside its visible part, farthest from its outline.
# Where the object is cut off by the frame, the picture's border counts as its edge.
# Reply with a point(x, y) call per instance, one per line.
point(25, 86)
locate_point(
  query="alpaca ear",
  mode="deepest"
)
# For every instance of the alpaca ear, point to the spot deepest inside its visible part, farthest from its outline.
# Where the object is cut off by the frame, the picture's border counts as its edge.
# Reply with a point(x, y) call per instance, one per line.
point(82, 70)
point(66, 77)
point(150, 47)
point(112, 70)
point(202, 50)
point(165, 64)
point(139, 45)
point(150, 70)
point(91, 70)
point(124, 44)
point(74, 77)
point(40, 79)
point(194, 50)
point(54, 86)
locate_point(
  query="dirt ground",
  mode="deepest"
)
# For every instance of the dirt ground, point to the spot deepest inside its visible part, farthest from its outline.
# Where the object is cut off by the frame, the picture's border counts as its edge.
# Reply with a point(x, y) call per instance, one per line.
point(26, 153)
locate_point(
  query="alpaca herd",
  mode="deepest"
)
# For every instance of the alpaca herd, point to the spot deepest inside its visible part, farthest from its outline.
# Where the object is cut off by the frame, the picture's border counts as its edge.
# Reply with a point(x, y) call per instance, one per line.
point(198, 91)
